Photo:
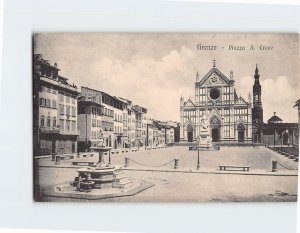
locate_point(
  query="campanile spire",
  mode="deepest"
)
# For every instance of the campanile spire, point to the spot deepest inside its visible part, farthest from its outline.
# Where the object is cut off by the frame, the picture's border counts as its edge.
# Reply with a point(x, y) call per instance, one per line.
point(257, 105)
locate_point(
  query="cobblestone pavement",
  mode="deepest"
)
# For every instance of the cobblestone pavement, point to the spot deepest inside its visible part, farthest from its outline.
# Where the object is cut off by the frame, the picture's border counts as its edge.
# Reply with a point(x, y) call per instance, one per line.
point(186, 186)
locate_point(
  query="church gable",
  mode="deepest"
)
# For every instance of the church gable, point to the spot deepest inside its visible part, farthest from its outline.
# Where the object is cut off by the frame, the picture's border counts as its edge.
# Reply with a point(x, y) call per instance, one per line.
point(189, 103)
point(240, 101)
point(215, 112)
point(214, 77)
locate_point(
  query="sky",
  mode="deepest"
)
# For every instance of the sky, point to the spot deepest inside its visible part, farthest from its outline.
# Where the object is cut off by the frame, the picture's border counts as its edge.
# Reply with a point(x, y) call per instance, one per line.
point(155, 70)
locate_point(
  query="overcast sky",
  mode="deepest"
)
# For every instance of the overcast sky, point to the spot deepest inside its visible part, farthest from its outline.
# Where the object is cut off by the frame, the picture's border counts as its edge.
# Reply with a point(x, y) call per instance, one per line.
point(155, 70)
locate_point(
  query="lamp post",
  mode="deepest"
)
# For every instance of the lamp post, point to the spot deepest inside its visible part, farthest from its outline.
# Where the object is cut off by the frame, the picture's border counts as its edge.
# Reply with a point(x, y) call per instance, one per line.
point(198, 161)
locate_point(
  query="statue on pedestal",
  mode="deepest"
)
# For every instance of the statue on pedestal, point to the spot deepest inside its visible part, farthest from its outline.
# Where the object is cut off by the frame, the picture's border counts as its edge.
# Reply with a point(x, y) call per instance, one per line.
point(205, 140)
point(204, 124)
point(100, 136)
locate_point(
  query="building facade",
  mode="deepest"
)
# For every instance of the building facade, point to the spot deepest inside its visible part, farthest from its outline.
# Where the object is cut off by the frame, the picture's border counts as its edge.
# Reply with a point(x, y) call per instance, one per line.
point(55, 110)
point(229, 116)
point(99, 112)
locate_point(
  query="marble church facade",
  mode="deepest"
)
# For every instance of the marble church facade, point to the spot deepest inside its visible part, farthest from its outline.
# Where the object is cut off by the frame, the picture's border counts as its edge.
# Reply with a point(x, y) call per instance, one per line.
point(229, 116)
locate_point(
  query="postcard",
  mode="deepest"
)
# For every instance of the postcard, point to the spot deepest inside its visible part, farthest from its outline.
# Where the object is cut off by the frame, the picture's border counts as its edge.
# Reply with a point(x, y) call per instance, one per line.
point(165, 117)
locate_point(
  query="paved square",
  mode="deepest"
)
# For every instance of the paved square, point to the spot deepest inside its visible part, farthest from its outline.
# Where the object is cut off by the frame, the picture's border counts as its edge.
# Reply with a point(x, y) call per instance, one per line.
point(186, 184)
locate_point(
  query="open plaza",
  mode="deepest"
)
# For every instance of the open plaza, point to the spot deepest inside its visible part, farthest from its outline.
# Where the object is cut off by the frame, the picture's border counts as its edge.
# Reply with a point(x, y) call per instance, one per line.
point(185, 182)
point(94, 144)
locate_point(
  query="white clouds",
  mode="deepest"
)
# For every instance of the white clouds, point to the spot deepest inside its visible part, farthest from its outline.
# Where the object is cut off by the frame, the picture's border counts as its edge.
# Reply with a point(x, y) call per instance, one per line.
point(159, 84)
point(278, 95)
point(155, 84)
point(154, 70)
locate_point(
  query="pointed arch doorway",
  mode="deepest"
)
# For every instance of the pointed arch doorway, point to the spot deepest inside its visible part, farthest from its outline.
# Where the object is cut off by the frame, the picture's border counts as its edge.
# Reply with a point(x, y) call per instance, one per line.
point(215, 125)
point(190, 131)
point(241, 132)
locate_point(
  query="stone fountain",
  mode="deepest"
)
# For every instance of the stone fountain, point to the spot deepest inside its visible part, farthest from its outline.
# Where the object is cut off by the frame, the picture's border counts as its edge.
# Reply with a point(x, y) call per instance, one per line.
point(102, 175)
point(100, 181)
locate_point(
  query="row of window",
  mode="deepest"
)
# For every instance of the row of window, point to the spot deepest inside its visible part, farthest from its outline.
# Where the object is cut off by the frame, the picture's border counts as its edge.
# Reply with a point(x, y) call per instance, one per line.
point(107, 126)
point(118, 117)
point(112, 102)
point(96, 123)
point(61, 95)
point(67, 125)
point(64, 97)
point(118, 129)
point(108, 112)
point(47, 103)
point(63, 125)
point(47, 121)
point(238, 111)
point(49, 90)
point(67, 110)
point(96, 111)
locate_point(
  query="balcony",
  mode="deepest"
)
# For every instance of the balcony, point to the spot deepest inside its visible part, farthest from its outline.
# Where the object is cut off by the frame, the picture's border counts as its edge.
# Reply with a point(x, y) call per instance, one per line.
point(64, 132)
point(44, 129)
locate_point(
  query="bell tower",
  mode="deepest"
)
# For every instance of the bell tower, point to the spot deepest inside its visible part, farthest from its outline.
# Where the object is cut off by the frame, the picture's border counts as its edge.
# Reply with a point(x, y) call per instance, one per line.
point(257, 110)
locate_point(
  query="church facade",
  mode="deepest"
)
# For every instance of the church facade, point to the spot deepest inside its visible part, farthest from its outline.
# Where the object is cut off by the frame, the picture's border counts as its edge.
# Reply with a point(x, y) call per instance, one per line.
point(229, 116)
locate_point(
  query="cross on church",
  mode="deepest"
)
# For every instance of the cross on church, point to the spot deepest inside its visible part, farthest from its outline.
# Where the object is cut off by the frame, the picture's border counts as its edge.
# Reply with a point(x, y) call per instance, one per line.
point(214, 63)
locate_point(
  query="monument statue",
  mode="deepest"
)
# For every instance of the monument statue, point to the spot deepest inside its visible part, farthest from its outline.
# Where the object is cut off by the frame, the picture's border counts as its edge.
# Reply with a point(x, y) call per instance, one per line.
point(205, 140)
point(101, 137)
point(204, 123)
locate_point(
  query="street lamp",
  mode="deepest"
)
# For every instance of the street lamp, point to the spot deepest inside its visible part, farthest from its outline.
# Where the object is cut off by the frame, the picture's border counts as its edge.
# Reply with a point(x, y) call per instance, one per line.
point(198, 147)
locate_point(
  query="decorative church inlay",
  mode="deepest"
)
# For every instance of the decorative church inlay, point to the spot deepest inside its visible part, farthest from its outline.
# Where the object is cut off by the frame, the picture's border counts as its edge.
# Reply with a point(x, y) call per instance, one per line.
point(229, 115)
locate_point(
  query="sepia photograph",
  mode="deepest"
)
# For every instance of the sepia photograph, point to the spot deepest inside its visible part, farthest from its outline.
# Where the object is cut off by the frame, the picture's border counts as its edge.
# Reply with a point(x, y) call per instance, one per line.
point(165, 117)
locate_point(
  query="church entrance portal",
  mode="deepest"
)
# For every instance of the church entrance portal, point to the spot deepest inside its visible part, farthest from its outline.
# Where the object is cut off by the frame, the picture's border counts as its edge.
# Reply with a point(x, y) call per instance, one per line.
point(190, 133)
point(241, 133)
point(215, 128)
point(190, 136)
point(215, 135)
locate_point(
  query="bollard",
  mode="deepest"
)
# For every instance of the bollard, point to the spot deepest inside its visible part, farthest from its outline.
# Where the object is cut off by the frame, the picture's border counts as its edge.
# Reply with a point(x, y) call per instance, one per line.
point(176, 163)
point(127, 162)
point(57, 159)
point(274, 165)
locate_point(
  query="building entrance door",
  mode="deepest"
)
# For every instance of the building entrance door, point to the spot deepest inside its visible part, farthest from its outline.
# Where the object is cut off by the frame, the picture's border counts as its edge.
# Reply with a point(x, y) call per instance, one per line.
point(190, 131)
point(215, 134)
point(241, 132)
point(215, 125)
point(190, 136)
point(241, 135)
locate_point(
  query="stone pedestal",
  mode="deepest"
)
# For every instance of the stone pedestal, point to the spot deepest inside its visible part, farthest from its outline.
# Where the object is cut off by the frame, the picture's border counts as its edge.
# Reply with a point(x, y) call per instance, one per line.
point(205, 140)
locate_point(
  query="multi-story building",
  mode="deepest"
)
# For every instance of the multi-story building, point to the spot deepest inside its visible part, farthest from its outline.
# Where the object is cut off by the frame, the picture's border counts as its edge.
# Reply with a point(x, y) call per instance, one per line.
point(95, 117)
point(229, 116)
point(149, 133)
point(128, 124)
point(101, 112)
point(120, 107)
point(140, 119)
point(55, 110)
